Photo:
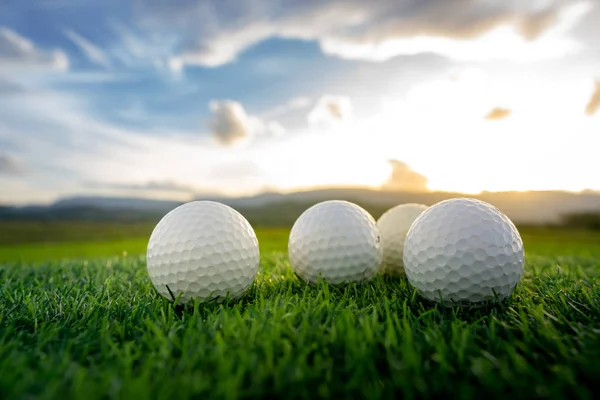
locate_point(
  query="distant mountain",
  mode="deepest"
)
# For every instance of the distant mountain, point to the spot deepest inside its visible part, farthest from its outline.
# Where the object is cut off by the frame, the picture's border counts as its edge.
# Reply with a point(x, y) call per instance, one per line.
point(283, 209)
point(526, 207)
point(112, 203)
point(91, 209)
point(358, 195)
point(258, 200)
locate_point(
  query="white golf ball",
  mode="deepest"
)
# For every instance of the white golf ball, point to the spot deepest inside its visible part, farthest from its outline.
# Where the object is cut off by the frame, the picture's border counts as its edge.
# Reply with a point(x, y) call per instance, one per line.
point(202, 250)
point(463, 251)
point(393, 226)
point(336, 240)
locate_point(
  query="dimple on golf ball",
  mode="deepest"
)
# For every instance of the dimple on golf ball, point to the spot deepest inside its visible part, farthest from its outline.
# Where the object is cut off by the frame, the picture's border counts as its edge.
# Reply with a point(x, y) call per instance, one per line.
point(336, 240)
point(463, 251)
point(202, 250)
point(393, 226)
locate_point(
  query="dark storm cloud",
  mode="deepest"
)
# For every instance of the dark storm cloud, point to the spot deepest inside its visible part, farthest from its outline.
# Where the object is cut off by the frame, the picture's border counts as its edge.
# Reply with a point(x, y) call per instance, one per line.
point(498, 113)
point(404, 178)
point(594, 104)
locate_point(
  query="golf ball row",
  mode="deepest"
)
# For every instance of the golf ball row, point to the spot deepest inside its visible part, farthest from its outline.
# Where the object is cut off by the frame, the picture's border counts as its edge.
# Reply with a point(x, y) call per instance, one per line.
point(459, 251)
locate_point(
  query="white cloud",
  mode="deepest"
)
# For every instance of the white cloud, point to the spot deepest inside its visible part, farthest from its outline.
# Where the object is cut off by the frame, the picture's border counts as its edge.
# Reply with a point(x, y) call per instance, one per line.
point(135, 48)
point(9, 165)
point(91, 51)
point(443, 135)
point(376, 31)
point(224, 47)
point(469, 32)
point(56, 131)
point(134, 112)
point(19, 53)
point(296, 103)
point(330, 109)
point(403, 178)
point(64, 146)
point(148, 186)
point(231, 125)
point(9, 87)
point(498, 113)
point(272, 128)
point(501, 44)
point(593, 105)
point(299, 102)
point(467, 93)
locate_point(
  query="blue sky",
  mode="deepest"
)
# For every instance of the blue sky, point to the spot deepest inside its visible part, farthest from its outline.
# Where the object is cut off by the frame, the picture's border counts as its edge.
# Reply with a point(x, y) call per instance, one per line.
point(174, 99)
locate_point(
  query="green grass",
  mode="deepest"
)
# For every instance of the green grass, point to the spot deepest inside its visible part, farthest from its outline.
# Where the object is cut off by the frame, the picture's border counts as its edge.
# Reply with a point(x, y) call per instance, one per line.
point(27, 232)
point(561, 241)
point(37, 252)
point(46, 247)
point(97, 329)
point(46, 250)
point(36, 241)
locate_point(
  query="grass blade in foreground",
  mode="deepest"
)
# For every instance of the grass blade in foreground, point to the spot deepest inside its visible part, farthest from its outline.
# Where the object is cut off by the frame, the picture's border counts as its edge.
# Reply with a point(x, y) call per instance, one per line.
point(97, 329)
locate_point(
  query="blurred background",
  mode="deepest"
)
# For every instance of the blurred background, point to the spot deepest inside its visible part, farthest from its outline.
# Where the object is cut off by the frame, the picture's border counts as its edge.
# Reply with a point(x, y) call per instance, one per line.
point(114, 112)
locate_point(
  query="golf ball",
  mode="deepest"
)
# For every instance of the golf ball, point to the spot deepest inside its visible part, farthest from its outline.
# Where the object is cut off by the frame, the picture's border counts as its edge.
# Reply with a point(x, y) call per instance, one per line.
point(336, 240)
point(463, 251)
point(202, 250)
point(393, 226)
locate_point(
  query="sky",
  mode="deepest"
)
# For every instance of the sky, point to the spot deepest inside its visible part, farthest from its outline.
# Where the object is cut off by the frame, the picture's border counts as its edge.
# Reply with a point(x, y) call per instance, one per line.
point(182, 98)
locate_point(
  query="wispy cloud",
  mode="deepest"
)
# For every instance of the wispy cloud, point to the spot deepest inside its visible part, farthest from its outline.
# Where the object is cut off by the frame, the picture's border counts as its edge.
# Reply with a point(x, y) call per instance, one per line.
point(594, 104)
point(403, 178)
point(9, 165)
point(58, 136)
point(91, 51)
point(370, 30)
point(294, 104)
point(135, 112)
point(64, 145)
point(152, 186)
point(331, 109)
point(467, 30)
point(498, 113)
point(18, 52)
point(139, 129)
point(535, 24)
point(137, 48)
point(8, 87)
point(59, 3)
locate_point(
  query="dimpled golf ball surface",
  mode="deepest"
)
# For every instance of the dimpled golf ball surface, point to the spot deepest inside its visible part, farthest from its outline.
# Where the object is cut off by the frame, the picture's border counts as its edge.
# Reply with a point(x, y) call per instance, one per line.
point(336, 240)
point(202, 250)
point(393, 226)
point(463, 251)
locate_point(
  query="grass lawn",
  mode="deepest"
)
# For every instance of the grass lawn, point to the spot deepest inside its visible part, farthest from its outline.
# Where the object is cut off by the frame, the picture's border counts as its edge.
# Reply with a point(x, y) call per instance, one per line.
point(107, 245)
point(95, 328)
